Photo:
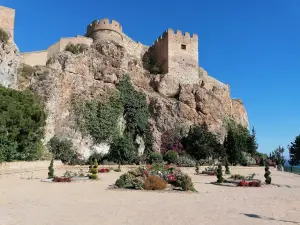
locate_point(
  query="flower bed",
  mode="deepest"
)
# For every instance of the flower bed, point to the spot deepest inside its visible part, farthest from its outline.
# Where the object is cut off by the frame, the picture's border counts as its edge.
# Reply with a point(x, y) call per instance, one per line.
point(155, 177)
point(61, 179)
point(249, 184)
point(103, 170)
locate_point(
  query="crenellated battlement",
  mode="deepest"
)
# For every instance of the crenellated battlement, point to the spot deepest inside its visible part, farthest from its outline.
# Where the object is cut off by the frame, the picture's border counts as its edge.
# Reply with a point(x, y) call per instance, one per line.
point(177, 36)
point(104, 24)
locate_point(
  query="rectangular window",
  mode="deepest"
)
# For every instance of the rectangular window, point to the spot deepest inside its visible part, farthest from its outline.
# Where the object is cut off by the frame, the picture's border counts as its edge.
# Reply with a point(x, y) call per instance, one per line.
point(183, 47)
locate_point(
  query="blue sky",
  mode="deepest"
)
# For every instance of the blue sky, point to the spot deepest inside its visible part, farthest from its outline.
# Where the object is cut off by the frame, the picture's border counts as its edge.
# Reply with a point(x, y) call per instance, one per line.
point(254, 46)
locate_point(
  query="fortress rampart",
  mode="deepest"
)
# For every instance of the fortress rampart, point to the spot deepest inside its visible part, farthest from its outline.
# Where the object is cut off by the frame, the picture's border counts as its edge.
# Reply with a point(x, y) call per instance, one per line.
point(98, 29)
point(41, 57)
point(7, 20)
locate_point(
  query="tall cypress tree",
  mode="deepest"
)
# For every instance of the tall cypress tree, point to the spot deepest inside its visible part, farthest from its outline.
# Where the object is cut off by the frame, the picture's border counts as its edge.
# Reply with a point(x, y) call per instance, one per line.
point(294, 150)
point(251, 143)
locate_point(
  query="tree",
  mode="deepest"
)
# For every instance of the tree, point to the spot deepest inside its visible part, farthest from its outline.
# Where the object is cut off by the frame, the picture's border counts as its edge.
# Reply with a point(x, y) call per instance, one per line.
point(22, 121)
point(251, 143)
point(94, 170)
point(62, 149)
point(267, 174)
point(220, 174)
point(122, 150)
point(200, 143)
point(277, 157)
point(227, 171)
point(294, 150)
point(51, 170)
point(232, 149)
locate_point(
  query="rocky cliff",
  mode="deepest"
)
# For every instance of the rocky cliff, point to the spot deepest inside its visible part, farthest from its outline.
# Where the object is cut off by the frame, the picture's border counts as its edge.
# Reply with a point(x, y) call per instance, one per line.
point(9, 62)
point(97, 71)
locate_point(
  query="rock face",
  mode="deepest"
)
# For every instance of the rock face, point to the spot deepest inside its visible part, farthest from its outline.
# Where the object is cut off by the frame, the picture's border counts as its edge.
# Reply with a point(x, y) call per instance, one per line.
point(9, 62)
point(97, 71)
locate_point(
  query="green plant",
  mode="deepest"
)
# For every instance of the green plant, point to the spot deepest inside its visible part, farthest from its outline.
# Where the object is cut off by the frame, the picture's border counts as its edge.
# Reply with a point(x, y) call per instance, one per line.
point(51, 170)
point(94, 171)
point(294, 150)
point(22, 121)
point(220, 174)
point(267, 174)
point(184, 181)
point(81, 173)
point(197, 170)
point(201, 143)
point(155, 157)
point(227, 170)
point(125, 180)
point(122, 150)
point(4, 37)
point(185, 161)
point(76, 48)
point(246, 159)
point(99, 118)
point(70, 174)
point(237, 177)
point(62, 149)
point(154, 183)
point(118, 170)
point(171, 156)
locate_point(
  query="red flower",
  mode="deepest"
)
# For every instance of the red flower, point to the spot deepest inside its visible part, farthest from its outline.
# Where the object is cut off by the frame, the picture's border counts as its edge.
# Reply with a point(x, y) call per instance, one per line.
point(145, 173)
point(171, 177)
point(103, 170)
point(148, 166)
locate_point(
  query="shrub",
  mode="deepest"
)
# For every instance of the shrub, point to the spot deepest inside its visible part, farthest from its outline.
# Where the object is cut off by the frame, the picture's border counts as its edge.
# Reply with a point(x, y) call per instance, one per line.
point(154, 183)
point(94, 171)
point(171, 140)
point(51, 170)
point(125, 180)
point(184, 181)
point(246, 159)
point(220, 174)
point(237, 177)
point(197, 170)
point(155, 157)
point(201, 143)
point(70, 174)
point(22, 121)
point(267, 175)
point(122, 150)
point(103, 170)
point(227, 170)
point(186, 161)
point(4, 37)
point(76, 48)
point(62, 149)
point(171, 156)
point(95, 155)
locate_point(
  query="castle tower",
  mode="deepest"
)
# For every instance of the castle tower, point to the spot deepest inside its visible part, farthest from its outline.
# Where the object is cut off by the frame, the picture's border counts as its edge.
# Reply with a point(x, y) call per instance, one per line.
point(105, 29)
point(177, 54)
point(7, 19)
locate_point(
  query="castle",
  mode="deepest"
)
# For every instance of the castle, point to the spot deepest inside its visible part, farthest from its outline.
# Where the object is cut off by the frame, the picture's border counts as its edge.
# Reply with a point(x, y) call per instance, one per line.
point(176, 53)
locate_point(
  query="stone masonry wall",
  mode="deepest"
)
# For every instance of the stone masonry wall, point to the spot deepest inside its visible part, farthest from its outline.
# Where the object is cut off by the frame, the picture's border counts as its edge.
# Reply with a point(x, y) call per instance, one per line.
point(41, 57)
point(7, 19)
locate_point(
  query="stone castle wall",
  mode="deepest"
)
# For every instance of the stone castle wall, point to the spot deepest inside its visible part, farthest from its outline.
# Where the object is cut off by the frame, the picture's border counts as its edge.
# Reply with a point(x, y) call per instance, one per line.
point(7, 20)
point(41, 57)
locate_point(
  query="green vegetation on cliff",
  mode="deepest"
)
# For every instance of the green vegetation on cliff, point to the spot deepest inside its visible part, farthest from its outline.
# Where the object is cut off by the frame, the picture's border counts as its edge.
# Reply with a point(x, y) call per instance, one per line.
point(22, 121)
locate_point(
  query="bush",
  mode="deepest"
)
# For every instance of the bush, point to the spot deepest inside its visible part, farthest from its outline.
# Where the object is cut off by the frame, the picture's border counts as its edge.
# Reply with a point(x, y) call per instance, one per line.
point(227, 170)
point(122, 151)
point(94, 171)
point(62, 149)
point(154, 183)
point(51, 170)
point(220, 174)
point(237, 177)
point(246, 159)
point(155, 157)
point(125, 181)
point(4, 37)
point(171, 140)
point(171, 156)
point(201, 143)
point(95, 155)
point(185, 161)
point(267, 175)
point(76, 49)
point(185, 182)
point(22, 121)
point(62, 179)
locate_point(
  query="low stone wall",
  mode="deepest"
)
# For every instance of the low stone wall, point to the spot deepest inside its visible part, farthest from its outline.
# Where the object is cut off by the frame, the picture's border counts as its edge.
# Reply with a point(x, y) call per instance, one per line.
point(7, 168)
